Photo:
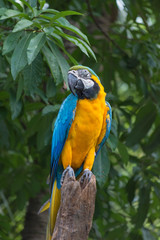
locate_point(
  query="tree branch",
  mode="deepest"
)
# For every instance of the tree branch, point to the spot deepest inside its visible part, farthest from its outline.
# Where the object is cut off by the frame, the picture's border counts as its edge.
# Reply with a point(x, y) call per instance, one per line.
point(103, 32)
point(74, 218)
point(27, 30)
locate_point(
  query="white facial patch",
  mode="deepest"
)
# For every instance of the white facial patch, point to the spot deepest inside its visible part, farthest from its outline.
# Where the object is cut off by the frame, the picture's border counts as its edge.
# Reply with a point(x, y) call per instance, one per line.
point(75, 73)
point(87, 83)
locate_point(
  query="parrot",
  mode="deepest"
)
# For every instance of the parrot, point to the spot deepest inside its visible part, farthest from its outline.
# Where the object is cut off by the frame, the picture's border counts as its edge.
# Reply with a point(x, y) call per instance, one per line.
point(81, 128)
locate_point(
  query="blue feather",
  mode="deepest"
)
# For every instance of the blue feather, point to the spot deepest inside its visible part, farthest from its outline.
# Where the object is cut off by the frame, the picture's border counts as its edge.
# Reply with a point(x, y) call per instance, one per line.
point(60, 134)
point(108, 127)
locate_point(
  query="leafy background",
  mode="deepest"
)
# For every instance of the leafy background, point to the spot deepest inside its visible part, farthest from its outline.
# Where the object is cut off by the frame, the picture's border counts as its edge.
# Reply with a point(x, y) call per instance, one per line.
point(38, 44)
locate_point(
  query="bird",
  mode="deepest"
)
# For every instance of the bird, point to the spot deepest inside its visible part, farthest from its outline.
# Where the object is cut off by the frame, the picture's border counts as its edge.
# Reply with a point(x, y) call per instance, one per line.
point(81, 128)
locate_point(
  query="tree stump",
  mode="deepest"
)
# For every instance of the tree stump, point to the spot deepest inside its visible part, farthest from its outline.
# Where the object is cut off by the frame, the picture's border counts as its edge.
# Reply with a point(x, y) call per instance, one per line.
point(74, 218)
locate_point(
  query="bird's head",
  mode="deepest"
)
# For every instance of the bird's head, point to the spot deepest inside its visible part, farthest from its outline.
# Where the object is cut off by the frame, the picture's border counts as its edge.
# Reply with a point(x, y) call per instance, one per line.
point(83, 82)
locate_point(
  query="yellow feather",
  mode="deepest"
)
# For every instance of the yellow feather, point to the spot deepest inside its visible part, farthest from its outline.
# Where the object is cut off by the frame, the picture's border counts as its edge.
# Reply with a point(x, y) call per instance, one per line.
point(48, 235)
point(54, 206)
point(44, 207)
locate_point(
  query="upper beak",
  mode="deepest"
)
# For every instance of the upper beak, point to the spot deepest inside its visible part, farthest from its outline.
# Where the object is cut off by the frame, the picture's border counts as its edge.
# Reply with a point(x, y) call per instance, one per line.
point(74, 83)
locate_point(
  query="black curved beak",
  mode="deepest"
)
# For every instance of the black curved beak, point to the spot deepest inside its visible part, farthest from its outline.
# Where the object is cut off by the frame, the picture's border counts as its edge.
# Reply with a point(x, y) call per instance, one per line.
point(74, 83)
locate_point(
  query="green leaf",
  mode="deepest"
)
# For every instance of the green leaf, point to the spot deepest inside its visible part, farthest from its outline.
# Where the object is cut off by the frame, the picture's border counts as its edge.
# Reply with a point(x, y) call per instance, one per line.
point(89, 49)
point(51, 88)
point(35, 46)
point(50, 109)
point(144, 198)
point(72, 59)
point(46, 19)
point(28, 5)
point(29, 107)
point(114, 128)
point(4, 134)
point(58, 39)
point(63, 23)
point(123, 152)
point(112, 142)
point(64, 14)
point(41, 2)
point(131, 189)
point(74, 40)
point(2, 11)
point(11, 42)
point(51, 32)
point(20, 88)
point(53, 64)
point(44, 132)
point(49, 10)
point(101, 166)
point(6, 204)
point(32, 75)
point(153, 142)
point(144, 121)
point(33, 125)
point(20, 8)
point(10, 13)
point(16, 106)
point(22, 24)
point(19, 57)
point(42, 95)
point(63, 64)
point(157, 189)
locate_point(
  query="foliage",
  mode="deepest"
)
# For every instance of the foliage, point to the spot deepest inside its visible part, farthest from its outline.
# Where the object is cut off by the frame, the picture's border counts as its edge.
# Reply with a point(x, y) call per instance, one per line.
point(33, 43)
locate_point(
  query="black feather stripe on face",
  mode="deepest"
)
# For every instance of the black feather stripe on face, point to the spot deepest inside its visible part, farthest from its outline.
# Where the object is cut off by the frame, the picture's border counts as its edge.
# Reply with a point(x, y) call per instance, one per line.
point(90, 93)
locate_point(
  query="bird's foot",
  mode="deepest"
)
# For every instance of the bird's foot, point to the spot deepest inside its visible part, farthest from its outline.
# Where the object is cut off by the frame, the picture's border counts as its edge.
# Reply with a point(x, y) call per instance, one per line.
point(70, 172)
point(86, 177)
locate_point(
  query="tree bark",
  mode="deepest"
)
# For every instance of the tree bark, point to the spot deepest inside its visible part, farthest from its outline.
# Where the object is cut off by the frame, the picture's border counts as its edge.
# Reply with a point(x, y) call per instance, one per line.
point(74, 218)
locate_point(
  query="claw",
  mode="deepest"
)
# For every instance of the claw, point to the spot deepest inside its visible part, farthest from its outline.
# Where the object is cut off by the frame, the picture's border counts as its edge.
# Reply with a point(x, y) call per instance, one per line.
point(70, 172)
point(87, 174)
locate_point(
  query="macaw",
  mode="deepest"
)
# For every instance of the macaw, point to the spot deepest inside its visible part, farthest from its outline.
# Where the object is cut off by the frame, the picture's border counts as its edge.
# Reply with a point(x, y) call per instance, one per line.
point(82, 126)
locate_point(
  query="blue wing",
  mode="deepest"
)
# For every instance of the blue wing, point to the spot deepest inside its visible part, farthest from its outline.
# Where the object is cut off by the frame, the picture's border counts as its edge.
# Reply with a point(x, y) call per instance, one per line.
point(108, 127)
point(60, 134)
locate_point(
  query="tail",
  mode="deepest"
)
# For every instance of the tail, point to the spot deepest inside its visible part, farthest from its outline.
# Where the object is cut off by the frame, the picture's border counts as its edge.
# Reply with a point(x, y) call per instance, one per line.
point(53, 206)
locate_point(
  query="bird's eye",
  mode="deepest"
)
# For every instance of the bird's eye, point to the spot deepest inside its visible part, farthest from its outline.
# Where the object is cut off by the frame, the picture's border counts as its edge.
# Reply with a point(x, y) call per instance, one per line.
point(84, 73)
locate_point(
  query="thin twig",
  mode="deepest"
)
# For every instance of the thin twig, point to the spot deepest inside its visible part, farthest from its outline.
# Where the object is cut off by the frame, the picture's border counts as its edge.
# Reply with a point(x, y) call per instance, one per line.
point(143, 17)
point(27, 30)
point(144, 20)
point(101, 29)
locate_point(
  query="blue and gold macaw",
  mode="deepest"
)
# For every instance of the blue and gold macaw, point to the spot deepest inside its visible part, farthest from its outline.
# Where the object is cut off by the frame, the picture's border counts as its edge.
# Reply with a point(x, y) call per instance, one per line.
point(81, 128)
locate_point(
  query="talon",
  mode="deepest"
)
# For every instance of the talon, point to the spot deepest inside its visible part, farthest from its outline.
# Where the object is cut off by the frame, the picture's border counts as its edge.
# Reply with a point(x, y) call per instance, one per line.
point(70, 172)
point(87, 174)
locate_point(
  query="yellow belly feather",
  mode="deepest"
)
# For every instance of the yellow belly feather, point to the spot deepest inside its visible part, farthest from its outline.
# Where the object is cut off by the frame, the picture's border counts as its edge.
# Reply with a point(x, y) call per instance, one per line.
point(84, 132)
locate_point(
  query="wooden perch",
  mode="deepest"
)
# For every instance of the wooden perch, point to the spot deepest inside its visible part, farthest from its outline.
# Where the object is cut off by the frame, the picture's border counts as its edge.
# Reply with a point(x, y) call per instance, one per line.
point(74, 218)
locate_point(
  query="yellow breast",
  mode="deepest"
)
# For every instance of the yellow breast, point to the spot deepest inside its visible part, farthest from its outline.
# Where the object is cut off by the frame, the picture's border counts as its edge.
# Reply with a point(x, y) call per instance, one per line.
point(86, 127)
